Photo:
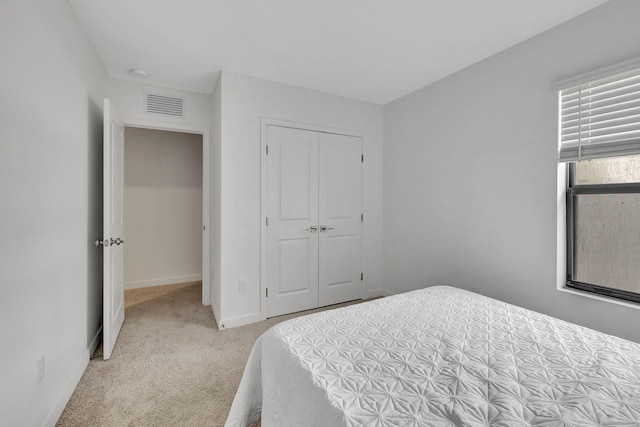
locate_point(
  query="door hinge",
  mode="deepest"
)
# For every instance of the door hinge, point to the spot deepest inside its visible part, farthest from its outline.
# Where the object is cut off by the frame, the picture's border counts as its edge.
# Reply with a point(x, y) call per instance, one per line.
point(204, 228)
point(267, 292)
point(361, 276)
point(267, 152)
point(266, 221)
point(362, 158)
point(361, 217)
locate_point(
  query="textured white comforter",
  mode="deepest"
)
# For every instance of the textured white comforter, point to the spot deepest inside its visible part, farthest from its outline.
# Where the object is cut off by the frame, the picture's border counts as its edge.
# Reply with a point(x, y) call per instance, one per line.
point(438, 357)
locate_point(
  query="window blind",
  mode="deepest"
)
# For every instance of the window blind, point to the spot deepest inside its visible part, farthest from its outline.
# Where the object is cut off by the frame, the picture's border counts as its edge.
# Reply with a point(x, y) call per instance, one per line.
point(601, 118)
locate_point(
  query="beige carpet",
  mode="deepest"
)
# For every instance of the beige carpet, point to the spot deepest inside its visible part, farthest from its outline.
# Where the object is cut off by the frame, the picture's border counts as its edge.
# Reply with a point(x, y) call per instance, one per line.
point(171, 365)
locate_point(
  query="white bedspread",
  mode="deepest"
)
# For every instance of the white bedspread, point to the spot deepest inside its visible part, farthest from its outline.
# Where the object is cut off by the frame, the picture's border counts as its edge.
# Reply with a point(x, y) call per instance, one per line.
point(438, 357)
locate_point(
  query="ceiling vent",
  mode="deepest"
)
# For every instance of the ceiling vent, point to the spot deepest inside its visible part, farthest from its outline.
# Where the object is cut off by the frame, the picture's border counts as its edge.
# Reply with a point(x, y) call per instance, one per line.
point(163, 104)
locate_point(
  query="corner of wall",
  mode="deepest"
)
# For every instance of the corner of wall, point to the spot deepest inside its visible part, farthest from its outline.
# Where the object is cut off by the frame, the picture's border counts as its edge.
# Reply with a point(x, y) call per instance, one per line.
point(216, 201)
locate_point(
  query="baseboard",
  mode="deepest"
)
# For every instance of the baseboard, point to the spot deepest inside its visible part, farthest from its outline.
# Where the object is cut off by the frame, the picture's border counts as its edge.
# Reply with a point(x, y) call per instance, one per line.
point(72, 382)
point(232, 322)
point(376, 293)
point(162, 281)
point(216, 312)
point(68, 389)
point(95, 342)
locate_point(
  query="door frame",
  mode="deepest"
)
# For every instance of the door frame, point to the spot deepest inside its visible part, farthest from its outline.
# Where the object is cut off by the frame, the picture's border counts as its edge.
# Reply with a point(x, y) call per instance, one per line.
point(206, 189)
point(264, 123)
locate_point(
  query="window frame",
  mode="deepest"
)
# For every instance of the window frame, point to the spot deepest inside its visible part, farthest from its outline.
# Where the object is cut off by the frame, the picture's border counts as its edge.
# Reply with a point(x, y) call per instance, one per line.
point(572, 192)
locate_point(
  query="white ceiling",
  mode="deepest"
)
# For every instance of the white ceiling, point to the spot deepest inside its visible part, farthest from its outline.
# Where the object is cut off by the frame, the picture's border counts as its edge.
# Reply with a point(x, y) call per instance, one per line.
point(372, 50)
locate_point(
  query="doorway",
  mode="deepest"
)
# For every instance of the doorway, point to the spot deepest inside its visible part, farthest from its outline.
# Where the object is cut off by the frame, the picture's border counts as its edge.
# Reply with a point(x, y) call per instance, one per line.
point(164, 200)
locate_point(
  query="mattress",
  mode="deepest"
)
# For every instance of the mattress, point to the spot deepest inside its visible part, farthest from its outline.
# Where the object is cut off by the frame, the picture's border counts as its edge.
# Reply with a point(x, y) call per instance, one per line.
point(439, 356)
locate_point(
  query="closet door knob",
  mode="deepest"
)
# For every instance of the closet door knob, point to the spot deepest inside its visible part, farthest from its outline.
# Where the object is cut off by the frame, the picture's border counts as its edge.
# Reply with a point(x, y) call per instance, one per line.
point(312, 229)
point(324, 228)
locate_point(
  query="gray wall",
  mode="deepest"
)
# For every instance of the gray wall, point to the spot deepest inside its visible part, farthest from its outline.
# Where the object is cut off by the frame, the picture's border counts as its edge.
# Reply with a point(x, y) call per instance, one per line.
point(470, 172)
point(51, 90)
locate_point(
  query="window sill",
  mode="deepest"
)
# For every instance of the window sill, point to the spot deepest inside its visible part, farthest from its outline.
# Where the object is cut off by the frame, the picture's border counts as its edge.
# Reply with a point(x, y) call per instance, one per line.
point(563, 288)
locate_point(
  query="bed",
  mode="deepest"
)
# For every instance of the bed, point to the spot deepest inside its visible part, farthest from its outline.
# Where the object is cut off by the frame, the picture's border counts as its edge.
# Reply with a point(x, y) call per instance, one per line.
point(439, 356)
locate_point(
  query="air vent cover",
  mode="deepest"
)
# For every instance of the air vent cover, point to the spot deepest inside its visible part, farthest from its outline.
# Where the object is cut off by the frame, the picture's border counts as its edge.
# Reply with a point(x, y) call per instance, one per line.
point(163, 104)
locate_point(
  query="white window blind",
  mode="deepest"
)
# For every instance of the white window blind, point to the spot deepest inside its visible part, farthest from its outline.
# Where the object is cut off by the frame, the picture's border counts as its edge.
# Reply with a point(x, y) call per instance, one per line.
point(601, 118)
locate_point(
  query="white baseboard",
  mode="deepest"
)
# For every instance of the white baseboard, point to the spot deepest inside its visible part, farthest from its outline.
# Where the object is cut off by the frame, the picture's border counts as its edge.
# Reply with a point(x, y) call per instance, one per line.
point(376, 293)
point(72, 382)
point(232, 322)
point(216, 312)
point(162, 281)
point(68, 389)
point(95, 342)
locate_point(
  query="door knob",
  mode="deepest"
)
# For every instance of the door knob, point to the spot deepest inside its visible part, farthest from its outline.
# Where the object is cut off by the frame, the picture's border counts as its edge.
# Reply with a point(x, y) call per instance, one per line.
point(104, 243)
point(117, 241)
point(324, 228)
point(312, 229)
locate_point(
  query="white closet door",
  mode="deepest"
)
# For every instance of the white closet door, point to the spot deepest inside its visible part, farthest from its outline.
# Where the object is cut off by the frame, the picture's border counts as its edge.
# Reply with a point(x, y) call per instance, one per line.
point(292, 211)
point(340, 203)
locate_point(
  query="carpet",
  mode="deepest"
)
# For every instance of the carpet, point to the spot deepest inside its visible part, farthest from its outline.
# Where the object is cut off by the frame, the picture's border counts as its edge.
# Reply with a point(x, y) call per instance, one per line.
point(171, 366)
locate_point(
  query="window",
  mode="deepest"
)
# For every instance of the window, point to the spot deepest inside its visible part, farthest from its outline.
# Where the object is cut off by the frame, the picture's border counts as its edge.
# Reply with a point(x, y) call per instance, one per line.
point(603, 227)
point(599, 135)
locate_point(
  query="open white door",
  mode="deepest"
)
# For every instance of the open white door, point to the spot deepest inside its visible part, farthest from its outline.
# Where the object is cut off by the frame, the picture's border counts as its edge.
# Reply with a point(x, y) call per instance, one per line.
point(113, 237)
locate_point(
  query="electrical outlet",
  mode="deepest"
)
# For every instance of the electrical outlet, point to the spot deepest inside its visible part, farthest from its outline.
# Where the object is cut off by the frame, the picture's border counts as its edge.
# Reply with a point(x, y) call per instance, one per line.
point(40, 369)
point(242, 286)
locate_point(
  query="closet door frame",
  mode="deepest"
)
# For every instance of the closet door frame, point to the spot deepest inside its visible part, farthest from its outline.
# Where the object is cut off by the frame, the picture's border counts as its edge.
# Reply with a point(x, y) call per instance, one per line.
point(264, 123)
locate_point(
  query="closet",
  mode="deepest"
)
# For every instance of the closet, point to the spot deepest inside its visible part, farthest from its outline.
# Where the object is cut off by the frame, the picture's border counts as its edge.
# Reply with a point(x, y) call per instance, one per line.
point(314, 219)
